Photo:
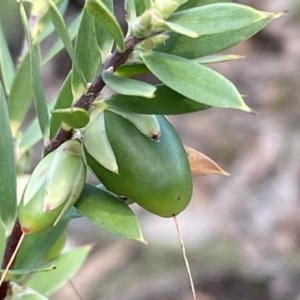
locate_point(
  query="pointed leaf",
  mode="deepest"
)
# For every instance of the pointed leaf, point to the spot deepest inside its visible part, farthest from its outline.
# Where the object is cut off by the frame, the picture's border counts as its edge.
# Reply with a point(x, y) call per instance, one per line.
point(63, 33)
point(88, 57)
point(128, 70)
point(32, 134)
point(20, 95)
point(103, 15)
point(7, 70)
point(127, 86)
point(66, 266)
point(212, 59)
point(74, 117)
point(194, 81)
point(64, 100)
point(166, 102)
point(104, 40)
point(200, 164)
point(109, 213)
point(219, 17)
point(58, 45)
point(196, 3)
point(39, 97)
point(209, 44)
point(181, 29)
point(45, 267)
point(8, 194)
point(38, 245)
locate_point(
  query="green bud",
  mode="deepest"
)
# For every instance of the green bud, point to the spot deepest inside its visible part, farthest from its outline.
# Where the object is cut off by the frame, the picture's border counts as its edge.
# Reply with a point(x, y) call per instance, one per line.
point(152, 42)
point(53, 188)
point(146, 23)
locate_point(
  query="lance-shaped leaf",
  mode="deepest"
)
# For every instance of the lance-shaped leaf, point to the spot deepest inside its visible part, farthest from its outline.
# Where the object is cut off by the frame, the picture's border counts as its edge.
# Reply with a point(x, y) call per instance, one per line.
point(63, 33)
point(87, 53)
point(166, 102)
point(196, 3)
point(104, 40)
point(66, 266)
point(212, 59)
point(38, 93)
point(109, 213)
point(64, 100)
point(200, 164)
point(103, 15)
point(8, 195)
point(74, 117)
point(38, 245)
point(58, 44)
point(180, 29)
point(209, 44)
point(127, 86)
point(7, 70)
point(20, 95)
point(194, 81)
point(219, 17)
point(45, 267)
point(131, 69)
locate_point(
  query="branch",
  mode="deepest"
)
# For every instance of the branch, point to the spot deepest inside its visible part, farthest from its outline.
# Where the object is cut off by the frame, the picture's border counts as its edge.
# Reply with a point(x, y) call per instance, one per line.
point(85, 102)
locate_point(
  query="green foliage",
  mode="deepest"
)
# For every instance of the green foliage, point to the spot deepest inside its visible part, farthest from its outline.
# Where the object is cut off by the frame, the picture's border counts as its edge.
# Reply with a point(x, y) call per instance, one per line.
point(122, 137)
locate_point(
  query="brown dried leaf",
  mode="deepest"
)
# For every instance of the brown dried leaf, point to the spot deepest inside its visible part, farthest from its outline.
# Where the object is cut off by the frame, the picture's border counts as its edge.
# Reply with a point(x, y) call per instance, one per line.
point(200, 164)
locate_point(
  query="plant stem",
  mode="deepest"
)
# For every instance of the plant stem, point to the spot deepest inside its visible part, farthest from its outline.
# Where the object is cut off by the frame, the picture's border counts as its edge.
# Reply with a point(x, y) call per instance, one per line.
point(11, 244)
point(85, 102)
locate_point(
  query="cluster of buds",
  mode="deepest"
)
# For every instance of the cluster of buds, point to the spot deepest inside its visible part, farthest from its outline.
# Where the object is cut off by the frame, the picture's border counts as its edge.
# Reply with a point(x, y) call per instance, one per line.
point(53, 188)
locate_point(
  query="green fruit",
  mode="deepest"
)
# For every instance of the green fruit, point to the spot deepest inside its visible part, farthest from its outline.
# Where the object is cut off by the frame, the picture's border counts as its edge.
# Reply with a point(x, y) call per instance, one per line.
point(155, 175)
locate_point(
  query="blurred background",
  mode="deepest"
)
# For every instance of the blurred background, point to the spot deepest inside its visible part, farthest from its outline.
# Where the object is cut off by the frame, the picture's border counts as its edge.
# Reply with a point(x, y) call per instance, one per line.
point(242, 233)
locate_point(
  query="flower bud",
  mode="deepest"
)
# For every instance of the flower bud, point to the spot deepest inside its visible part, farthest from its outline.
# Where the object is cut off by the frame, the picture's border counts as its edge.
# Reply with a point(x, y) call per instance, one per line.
point(146, 23)
point(53, 188)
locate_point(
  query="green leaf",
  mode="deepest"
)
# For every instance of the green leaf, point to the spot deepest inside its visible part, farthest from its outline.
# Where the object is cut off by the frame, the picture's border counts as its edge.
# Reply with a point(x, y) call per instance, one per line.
point(8, 195)
point(66, 266)
point(103, 15)
point(196, 3)
point(140, 6)
point(210, 44)
point(32, 134)
point(38, 245)
point(217, 18)
point(64, 100)
point(127, 86)
point(87, 54)
point(212, 59)
point(166, 102)
point(180, 29)
point(108, 213)
point(20, 95)
point(7, 71)
point(58, 44)
point(128, 70)
point(74, 117)
point(44, 26)
point(38, 93)
point(63, 33)
point(104, 40)
point(40, 268)
point(194, 80)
